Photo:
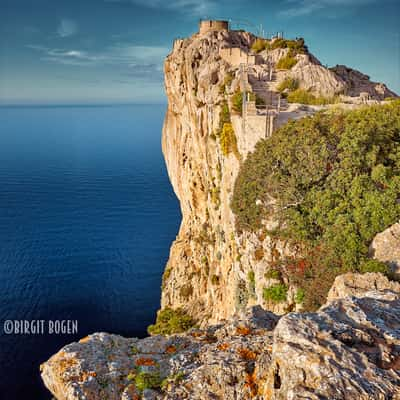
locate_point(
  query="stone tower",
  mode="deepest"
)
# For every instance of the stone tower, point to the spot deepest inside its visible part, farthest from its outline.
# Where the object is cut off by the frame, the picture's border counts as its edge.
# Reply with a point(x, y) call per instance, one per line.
point(213, 25)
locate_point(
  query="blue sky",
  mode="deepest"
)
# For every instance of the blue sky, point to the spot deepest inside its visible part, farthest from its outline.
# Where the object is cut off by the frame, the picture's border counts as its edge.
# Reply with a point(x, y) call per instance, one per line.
point(111, 51)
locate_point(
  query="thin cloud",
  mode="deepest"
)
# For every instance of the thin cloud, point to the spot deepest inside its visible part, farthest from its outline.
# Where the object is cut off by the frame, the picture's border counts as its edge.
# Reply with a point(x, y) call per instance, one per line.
point(298, 8)
point(194, 7)
point(67, 27)
point(141, 62)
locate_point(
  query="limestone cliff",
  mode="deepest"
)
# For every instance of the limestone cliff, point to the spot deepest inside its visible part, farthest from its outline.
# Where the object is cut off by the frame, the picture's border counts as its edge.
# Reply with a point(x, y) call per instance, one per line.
point(212, 271)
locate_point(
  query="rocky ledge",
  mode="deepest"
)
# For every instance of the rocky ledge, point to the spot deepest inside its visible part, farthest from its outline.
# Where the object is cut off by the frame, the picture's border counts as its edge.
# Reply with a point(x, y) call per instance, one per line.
point(349, 349)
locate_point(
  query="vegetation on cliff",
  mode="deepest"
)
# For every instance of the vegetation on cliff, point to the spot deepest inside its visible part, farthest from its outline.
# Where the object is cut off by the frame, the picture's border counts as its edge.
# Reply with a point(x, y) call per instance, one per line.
point(296, 46)
point(171, 321)
point(286, 62)
point(333, 182)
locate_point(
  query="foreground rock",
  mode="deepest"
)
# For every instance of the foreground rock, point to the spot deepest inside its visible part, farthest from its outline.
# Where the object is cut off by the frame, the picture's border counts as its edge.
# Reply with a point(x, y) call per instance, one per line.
point(349, 349)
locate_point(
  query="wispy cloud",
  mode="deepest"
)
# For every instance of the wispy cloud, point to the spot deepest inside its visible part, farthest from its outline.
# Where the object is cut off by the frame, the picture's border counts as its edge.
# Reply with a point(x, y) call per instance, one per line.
point(141, 62)
point(67, 27)
point(298, 8)
point(194, 7)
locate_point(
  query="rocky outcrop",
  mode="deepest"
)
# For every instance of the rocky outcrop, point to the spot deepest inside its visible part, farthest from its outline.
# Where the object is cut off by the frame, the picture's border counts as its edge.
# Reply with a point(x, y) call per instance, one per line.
point(349, 349)
point(359, 285)
point(357, 83)
point(386, 247)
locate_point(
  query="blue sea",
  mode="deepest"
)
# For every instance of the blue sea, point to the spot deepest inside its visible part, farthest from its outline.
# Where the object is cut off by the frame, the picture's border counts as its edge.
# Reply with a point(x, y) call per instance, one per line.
point(87, 216)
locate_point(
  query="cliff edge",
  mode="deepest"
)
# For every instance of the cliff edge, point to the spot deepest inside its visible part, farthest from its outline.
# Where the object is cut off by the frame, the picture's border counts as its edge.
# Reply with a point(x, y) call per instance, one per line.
point(349, 349)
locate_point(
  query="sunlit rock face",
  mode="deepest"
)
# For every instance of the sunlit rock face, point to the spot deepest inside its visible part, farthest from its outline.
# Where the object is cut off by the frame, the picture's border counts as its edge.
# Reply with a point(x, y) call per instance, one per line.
point(210, 263)
point(349, 349)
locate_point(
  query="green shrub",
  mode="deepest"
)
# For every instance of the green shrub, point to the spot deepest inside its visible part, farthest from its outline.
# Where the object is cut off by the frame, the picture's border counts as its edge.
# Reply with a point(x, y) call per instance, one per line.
point(296, 46)
point(255, 97)
point(273, 274)
point(171, 321)
point(224, 117)
point(289, 84)
point(275, 293)
point(175, 379)
point(237, 101)
point(147, 380)
point(335, 178)
point(259, 45)
point(228, 79)
point(374, 266)
point(166, 275)
point(305, 97)
point(252, 283)
point(286, 62)
point(300, 295)
point(227, 140)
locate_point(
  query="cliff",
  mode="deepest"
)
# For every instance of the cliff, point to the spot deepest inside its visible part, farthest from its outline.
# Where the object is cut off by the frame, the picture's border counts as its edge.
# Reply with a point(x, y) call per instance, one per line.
point(212, 270)
point(349, 349)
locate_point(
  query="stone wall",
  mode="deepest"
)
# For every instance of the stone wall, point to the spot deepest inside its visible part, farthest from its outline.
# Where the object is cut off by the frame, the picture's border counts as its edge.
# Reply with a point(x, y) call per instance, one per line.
point(236, 56)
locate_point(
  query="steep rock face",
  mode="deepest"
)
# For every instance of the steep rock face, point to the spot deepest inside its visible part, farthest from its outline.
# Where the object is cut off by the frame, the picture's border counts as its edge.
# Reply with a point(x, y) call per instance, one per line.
point(349, 349)
point(212, 271)
point(207, 272)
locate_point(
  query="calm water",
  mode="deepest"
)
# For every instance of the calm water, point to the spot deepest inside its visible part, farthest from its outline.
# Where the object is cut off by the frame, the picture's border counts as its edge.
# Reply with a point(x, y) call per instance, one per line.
point(87, 215)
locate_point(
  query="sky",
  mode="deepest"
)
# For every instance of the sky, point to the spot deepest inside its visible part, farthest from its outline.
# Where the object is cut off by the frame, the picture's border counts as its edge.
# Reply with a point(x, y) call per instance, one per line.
point(112, 51)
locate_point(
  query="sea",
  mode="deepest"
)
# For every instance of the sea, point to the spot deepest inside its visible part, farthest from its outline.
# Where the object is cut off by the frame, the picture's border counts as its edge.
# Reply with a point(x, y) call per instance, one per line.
point(87, 217)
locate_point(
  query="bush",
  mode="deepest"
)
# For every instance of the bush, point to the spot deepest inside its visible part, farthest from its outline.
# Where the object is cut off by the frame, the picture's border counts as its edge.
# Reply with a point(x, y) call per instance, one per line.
point(147, 380)
point(375, 266)
point(296, 46)
point(273, 274)
point(259, 45)
point(300, 295)
point(227, 140)
point(287, 62)
point(224, 117)
point(305, 97)
point(228, 79)
point(237, 101)
point(171, 321)
point(255, 97)
point(276, 293)
point(335, 179)
point(252, 283)
point(289, 84)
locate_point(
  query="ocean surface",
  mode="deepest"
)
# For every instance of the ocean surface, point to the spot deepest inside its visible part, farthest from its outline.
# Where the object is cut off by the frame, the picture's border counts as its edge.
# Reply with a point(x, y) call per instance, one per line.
point(87, 216)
